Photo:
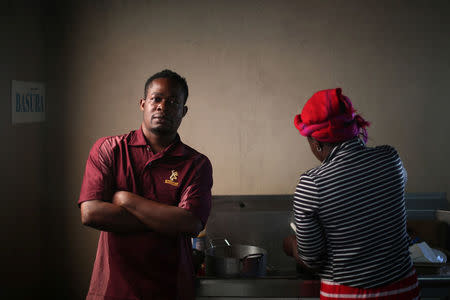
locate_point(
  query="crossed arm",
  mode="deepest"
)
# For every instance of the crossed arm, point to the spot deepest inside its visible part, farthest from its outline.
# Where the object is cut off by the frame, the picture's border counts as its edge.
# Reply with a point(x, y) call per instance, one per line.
point(130, 212)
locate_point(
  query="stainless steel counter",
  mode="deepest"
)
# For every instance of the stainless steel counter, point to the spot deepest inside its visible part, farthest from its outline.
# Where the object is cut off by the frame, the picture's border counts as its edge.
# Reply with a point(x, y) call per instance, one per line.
point(263, 221)
point(436, 286)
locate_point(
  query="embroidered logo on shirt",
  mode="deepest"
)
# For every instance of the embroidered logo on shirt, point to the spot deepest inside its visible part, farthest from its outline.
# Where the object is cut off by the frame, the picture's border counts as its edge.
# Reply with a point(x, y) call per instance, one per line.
point(172, 179)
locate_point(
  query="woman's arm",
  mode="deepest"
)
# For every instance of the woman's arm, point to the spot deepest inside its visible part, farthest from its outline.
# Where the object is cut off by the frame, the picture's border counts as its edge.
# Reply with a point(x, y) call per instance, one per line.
point(310, 240)
point(290, 248)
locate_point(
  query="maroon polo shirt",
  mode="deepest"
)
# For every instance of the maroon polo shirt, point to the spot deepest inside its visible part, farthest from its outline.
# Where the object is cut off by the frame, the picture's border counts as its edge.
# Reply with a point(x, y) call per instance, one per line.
point(146, 265)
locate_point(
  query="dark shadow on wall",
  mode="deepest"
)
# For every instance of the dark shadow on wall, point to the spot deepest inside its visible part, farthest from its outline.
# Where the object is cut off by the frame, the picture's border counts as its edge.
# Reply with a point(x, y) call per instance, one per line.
point(34, 256)
point(58, 275)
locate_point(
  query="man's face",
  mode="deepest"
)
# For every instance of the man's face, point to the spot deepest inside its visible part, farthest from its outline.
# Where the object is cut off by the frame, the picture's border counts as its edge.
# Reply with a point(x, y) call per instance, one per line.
point(163, 107)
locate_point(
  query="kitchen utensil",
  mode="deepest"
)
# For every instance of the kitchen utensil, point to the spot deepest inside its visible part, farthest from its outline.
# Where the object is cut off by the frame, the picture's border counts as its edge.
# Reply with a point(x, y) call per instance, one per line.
point(235, 260)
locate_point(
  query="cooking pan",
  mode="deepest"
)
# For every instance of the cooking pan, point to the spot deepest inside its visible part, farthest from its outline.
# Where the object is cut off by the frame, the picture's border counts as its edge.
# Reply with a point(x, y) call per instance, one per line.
point(235, 260)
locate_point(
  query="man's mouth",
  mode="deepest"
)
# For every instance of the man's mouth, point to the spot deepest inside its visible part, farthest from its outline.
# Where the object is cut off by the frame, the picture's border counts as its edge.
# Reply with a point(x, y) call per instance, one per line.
point(161, 118)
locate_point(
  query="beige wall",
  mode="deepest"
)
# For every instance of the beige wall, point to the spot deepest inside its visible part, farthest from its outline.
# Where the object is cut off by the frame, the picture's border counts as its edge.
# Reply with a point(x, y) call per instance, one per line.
point(250, 66)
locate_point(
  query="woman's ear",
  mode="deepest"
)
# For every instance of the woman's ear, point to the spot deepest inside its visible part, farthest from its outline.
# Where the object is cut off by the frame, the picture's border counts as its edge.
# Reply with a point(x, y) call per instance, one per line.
point(314, 143)
point(316, 148)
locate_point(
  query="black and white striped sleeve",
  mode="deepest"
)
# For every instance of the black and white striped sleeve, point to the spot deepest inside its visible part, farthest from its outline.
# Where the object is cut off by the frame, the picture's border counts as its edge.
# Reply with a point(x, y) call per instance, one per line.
point(309, 233)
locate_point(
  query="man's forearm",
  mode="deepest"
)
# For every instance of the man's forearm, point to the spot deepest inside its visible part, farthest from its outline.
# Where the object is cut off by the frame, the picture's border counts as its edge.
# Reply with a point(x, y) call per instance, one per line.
point(158, 216)
point(110, 217)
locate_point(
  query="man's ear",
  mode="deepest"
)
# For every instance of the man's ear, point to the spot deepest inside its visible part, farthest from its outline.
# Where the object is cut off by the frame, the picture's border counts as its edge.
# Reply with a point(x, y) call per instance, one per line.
point(185, 109)
point(141, 103)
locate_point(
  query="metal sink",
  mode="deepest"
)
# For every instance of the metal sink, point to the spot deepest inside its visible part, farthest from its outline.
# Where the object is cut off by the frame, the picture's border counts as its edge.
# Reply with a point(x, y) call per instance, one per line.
point(263, 221)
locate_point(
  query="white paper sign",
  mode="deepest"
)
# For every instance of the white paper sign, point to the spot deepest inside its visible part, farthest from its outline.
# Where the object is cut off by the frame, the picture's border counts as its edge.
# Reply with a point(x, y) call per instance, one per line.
point(28, 102)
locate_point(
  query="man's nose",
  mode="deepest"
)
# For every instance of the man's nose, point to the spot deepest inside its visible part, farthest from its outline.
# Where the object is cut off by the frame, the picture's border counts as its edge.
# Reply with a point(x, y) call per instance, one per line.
point(162, 105)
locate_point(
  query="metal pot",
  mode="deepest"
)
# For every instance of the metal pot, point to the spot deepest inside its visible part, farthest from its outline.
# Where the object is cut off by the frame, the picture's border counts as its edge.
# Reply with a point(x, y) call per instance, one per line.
point(235, 260)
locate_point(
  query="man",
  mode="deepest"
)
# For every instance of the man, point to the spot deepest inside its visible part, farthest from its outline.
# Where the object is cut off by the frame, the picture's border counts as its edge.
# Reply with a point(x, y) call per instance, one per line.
point(148, 193)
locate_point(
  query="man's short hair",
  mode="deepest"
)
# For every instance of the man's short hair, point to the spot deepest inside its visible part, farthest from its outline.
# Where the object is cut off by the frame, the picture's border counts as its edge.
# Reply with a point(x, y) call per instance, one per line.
point(181, 81)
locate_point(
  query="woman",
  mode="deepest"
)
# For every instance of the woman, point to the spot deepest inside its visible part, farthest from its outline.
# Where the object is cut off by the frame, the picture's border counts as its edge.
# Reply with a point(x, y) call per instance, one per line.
point(350, 211)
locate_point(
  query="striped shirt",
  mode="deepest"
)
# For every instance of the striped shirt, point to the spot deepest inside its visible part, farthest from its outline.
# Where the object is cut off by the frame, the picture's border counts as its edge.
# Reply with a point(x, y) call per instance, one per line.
point(351, 218)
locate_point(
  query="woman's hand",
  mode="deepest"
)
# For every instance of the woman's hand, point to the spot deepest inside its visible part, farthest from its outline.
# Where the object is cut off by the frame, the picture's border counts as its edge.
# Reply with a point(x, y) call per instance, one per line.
point(290, 248)
point(290, 245)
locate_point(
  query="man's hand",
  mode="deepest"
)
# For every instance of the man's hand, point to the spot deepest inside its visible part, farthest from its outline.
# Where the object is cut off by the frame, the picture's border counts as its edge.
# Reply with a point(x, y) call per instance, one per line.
point(106, 216)
point(158, 216)
point(119, 198)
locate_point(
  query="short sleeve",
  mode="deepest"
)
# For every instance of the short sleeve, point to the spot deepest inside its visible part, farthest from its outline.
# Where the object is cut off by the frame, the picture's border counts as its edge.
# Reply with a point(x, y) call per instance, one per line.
point(196, 197)
point(97, 179)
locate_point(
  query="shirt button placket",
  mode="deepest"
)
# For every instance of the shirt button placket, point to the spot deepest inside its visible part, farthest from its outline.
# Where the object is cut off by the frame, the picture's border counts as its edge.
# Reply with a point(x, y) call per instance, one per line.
point(149, 161)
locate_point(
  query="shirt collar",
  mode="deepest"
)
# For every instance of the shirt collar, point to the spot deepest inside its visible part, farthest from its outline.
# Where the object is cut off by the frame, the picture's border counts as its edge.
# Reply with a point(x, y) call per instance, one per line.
point(344, 146)
point(177, 148)
point(138, 138)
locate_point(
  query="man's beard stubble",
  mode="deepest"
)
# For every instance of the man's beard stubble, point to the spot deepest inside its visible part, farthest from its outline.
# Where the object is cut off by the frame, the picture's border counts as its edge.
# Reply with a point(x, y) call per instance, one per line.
point(161, 130)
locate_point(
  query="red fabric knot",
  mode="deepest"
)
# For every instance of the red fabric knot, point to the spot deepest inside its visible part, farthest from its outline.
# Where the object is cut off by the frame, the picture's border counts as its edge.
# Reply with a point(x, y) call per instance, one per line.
point(329, 116)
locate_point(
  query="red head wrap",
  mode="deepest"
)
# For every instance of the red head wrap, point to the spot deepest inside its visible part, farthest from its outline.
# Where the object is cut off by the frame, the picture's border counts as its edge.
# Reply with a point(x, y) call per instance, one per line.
point(329, 116)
